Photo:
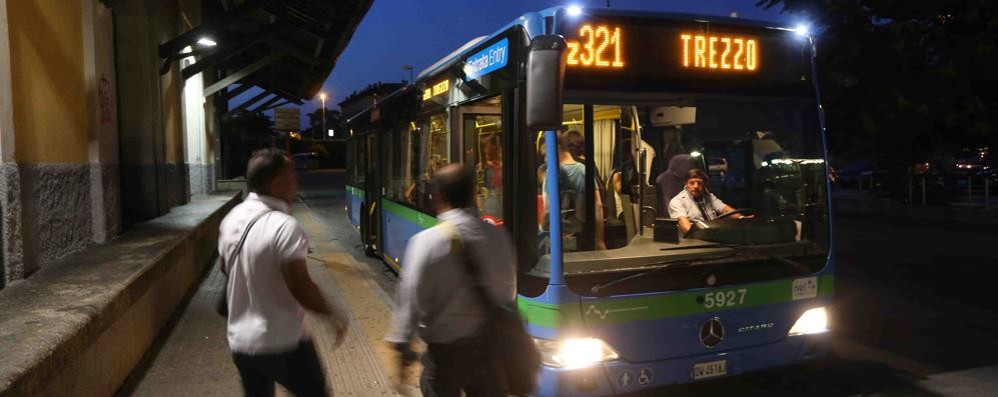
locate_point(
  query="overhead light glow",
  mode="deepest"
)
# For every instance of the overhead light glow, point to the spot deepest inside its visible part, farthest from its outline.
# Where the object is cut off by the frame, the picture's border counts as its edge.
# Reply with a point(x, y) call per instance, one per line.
point(331, 132)
point(207, 42)
point(695, 153)
point(801, 30)
point(574, 10)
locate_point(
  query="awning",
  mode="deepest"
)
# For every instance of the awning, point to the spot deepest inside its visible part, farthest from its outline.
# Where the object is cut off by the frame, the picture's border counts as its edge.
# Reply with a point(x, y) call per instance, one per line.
point(285, 47)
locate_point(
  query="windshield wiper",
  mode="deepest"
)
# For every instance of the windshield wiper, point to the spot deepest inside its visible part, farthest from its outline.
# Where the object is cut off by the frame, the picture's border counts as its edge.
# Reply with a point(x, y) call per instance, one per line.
point(665, 265)
point(705, 246)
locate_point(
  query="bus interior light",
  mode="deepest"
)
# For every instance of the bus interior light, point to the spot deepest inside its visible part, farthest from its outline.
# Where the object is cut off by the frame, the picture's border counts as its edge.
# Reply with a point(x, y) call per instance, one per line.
point(574, 353)
point(814, 321)
point(695, 153)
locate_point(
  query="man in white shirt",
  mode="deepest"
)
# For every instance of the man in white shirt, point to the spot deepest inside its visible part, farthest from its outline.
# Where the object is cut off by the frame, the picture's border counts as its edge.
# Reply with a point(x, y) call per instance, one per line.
point(436, 299)
point(269, 288)
point(694, 203)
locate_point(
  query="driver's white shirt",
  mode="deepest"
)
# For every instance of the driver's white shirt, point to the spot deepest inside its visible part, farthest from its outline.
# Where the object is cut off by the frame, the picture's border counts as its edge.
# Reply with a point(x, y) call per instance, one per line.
point(684, 205)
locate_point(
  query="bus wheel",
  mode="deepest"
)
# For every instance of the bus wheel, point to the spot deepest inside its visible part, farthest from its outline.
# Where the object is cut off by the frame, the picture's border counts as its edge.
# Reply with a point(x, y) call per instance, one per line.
point(370, 251)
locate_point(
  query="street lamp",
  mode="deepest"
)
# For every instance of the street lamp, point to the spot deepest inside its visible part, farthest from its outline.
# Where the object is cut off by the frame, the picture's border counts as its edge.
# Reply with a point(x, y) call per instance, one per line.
point(409, 68)
point(322, 95)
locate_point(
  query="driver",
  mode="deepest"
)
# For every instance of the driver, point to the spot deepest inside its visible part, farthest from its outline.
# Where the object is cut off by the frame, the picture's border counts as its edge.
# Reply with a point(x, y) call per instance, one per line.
point(695, 203)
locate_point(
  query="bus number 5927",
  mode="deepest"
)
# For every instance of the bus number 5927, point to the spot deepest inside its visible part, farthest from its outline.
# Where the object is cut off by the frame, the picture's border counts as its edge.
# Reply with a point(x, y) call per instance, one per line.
point(724, 298)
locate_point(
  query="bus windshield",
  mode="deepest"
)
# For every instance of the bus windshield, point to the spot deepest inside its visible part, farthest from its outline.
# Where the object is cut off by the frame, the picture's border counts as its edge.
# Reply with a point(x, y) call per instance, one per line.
point(624, 171)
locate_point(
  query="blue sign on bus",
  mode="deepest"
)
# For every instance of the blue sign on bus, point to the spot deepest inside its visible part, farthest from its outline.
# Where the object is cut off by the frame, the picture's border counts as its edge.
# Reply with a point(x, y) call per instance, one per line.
point(488, 60)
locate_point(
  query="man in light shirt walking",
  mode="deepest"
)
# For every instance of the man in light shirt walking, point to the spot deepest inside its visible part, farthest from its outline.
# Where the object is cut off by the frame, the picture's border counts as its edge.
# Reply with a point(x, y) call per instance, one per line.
point(437, 301)
point(269, 288)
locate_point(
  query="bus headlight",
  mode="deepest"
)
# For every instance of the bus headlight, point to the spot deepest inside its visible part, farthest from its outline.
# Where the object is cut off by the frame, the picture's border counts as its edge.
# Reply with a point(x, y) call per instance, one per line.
point(574, 352)
point(814, 321)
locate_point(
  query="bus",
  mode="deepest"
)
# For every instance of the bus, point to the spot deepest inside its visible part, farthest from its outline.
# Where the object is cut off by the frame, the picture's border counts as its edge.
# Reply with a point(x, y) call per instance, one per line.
point(618, 299)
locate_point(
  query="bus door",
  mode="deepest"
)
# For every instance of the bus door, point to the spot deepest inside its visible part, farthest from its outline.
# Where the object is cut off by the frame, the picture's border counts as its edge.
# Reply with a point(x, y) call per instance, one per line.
point(371, 212)
point(482, 139)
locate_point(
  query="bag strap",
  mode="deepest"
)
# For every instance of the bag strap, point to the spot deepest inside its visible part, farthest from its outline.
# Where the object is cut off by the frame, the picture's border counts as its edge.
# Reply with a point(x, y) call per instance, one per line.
point(242, 240)
point(471, 268)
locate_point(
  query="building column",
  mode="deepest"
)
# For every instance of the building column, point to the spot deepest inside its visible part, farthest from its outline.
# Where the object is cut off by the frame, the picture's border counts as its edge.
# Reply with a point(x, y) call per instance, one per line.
point(11, 267)
point(102, 104)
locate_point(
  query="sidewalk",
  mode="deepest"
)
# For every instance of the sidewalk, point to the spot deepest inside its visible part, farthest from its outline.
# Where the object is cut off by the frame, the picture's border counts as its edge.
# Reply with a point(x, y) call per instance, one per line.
point(85, 321)
point(192, 357)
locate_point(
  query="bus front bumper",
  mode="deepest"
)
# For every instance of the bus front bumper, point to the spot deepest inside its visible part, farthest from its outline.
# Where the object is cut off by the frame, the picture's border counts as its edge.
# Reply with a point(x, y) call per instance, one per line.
point(621, 377)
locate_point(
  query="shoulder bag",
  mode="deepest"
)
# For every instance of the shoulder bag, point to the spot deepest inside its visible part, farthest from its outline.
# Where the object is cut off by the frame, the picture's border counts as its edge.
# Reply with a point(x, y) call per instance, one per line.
point(511, 349)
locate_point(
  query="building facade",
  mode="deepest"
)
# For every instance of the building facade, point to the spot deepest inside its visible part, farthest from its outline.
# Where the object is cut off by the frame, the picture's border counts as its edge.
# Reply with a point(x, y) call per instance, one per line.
point(93, 137)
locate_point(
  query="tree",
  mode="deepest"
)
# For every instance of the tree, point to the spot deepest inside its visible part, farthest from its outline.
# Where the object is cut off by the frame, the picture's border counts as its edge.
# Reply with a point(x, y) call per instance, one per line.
point(904, 80)
point(333, 122)
point(242, 133)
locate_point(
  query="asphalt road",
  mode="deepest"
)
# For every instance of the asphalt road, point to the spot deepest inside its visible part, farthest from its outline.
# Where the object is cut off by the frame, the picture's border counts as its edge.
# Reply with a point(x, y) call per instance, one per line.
point(914, 313)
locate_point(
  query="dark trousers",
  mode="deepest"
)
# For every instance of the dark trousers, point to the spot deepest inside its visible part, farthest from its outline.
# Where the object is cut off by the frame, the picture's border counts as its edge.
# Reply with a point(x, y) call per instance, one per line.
point(452, 367)
point(299, 371)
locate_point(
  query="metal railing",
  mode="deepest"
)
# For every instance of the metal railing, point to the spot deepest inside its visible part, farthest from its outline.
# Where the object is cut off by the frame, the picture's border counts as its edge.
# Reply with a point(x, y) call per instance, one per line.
point(973, 191)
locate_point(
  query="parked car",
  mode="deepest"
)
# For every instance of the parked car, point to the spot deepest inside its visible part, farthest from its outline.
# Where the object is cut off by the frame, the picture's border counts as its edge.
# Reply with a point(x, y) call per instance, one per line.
point(307, 160)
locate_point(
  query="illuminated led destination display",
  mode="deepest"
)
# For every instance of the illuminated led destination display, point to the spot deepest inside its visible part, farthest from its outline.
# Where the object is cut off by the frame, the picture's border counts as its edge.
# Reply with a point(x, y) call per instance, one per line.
point(726, 53)
point(619, 52)
point(598, 46)
point(437, 89)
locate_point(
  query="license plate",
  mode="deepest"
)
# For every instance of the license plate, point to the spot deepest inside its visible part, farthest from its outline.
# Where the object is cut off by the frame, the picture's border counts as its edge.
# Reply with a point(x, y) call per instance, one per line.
point(710, 369)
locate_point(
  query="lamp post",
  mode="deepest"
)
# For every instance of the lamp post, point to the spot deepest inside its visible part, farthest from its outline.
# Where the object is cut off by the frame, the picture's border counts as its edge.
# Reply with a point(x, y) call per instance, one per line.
point(409, 68)
point(322, 96)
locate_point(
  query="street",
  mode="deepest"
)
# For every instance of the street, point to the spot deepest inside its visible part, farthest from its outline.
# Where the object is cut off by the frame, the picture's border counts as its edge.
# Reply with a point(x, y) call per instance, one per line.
point(912, 317)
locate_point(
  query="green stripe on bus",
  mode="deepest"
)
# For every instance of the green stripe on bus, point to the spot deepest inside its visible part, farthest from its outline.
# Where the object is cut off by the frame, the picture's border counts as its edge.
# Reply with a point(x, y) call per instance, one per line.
point(355, 191)
point(628, 310)
point(418, 218)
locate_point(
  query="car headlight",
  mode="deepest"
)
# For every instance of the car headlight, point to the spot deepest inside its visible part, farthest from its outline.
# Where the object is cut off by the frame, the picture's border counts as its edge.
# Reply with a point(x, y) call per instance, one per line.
point(574, 352)
point(814, 321)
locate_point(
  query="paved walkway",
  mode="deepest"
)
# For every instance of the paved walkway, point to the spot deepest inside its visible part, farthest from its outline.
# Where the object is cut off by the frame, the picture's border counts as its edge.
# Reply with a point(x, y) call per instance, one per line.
point(191, 357)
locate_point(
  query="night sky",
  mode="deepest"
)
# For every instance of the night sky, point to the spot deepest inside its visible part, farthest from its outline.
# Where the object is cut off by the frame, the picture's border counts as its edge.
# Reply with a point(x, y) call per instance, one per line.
point(419, 32)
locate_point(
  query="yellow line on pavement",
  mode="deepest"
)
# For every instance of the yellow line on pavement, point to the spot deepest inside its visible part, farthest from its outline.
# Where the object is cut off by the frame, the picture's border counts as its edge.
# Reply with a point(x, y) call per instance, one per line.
point(360, 292)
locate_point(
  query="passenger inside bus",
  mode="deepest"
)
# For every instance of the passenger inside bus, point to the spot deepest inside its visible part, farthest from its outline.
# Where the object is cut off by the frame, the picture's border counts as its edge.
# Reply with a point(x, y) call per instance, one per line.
point(573, 181)
point(600, 192)
point(489, 174)
point(572, 173)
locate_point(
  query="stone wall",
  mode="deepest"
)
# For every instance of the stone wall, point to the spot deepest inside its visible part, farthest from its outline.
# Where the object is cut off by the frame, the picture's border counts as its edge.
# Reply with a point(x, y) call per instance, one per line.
point(55, 216)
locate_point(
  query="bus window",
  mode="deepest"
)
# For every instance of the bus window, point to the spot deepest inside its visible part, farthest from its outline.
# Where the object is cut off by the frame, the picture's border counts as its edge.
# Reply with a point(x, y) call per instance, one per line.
point(438, 146)
point(414, 174)
point(594, 196)
point(394, 167)
point(572, 177)
point(482, 126)
point(429, 150)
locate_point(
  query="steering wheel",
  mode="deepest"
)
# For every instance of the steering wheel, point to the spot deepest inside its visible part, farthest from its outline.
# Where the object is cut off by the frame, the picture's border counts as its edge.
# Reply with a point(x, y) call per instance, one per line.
point(738, 211)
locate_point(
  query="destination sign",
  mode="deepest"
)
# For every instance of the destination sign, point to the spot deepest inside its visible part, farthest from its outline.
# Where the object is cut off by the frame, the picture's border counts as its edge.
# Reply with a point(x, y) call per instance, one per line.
point(650, 54)
point(437, 89)
point(598, 46)
point(492, 58)
point(726, 53)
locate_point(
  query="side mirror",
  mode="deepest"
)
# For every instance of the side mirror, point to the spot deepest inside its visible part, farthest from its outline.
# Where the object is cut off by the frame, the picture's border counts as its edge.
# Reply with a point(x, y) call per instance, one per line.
point(545, 82)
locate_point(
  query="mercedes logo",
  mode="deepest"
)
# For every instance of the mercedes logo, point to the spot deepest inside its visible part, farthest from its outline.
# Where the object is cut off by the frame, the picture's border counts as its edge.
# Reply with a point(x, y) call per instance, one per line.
point(711, 333)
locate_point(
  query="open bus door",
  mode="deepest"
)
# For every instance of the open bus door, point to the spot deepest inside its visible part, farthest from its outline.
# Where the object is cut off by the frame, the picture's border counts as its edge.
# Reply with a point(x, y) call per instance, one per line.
point(370, 209)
